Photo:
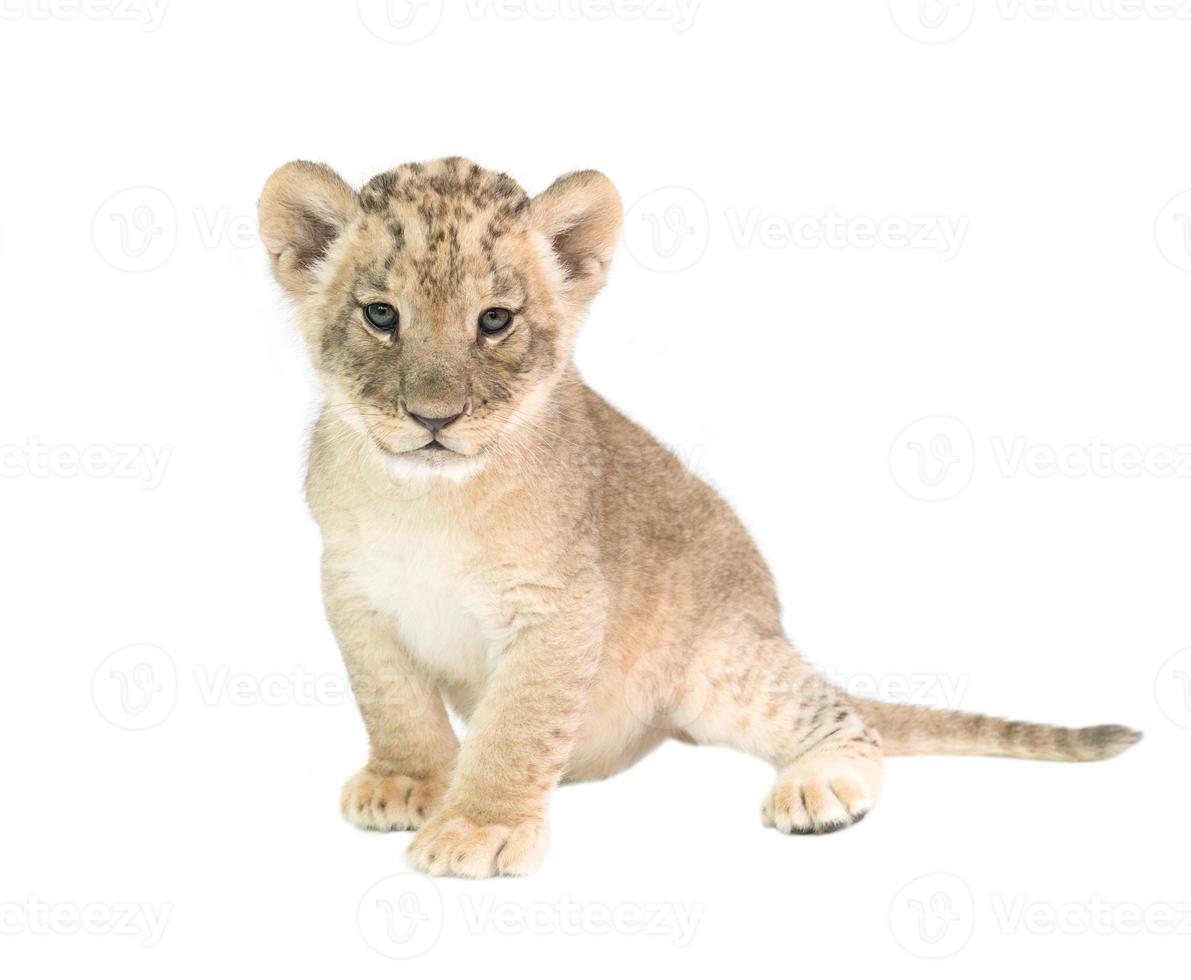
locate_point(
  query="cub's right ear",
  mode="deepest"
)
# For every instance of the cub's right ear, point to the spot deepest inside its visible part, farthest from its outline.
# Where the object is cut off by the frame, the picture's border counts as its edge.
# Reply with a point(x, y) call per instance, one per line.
point(304, 208)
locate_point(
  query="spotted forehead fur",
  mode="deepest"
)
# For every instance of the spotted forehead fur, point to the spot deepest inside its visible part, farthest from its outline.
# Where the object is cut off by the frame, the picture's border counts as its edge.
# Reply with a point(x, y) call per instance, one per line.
point(444, 219)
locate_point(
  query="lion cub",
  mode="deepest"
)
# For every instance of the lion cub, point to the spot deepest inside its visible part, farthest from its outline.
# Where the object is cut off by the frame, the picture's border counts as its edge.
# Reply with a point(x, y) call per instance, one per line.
point(501, 540)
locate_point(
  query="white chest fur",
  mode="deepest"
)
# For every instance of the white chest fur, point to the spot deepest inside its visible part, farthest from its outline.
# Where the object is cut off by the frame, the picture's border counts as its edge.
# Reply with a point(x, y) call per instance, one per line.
point(422, 573)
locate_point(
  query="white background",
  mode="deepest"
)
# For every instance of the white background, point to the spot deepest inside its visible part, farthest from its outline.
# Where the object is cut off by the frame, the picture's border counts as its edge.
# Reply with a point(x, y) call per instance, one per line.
point(784, 364)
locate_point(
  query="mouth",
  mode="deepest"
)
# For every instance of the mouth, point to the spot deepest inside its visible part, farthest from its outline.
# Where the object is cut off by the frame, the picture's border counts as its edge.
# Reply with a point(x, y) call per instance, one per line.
point(431, 458)
point(430, 450)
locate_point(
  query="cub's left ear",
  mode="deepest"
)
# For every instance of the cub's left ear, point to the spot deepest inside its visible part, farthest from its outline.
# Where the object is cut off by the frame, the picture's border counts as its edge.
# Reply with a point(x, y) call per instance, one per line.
point(304, 208)
point(580, 214)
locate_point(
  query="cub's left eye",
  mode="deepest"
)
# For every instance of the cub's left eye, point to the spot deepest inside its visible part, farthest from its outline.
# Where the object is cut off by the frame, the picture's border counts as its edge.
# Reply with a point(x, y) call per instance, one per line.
point(495, 320)
point(382, 316)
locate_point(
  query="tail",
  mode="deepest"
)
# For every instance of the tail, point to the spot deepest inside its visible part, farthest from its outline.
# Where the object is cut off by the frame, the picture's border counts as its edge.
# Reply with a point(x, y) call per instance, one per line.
point(907, 729)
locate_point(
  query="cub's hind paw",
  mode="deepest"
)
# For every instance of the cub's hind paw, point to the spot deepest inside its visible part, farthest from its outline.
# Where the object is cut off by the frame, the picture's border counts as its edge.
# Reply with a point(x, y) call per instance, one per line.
point(374, 802)
point(820, 796)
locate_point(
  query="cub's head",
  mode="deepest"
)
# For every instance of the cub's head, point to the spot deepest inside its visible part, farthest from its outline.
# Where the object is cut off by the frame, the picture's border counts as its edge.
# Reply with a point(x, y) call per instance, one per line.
point(438, 303)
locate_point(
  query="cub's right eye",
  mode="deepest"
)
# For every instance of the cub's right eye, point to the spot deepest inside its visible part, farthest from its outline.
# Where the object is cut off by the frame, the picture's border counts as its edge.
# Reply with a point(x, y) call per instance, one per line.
point(382, 316)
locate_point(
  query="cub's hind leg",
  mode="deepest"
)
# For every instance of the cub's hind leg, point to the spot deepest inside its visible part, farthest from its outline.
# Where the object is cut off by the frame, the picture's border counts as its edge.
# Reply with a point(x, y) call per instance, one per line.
point(759, 696)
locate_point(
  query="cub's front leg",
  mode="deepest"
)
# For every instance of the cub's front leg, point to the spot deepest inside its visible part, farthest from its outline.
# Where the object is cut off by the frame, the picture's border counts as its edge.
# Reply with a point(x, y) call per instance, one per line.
point(412, 747)
point(519, 741)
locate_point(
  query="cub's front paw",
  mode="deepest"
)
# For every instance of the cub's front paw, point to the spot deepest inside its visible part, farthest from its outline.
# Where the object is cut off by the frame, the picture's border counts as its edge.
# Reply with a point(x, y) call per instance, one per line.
point(822, 795)
point(454, 844)
point(374, 802)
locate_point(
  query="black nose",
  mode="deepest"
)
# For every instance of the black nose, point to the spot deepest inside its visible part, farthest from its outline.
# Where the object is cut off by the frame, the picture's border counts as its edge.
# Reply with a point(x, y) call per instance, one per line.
point(434, 424)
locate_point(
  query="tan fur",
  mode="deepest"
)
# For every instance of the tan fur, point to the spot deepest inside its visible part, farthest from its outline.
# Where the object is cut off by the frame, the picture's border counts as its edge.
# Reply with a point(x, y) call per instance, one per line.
point(555, 575)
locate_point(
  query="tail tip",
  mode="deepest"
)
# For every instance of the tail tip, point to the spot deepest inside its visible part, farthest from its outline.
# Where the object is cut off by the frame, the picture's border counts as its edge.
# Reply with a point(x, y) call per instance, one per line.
point(1106, 741)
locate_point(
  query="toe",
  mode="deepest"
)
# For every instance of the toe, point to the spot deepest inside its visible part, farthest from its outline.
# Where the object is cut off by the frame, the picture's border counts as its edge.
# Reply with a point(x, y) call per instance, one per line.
point(824, 808)
point(786, 811)
point(475, 856)
point(853, 794)
point(434, 847)
point(524, 850)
